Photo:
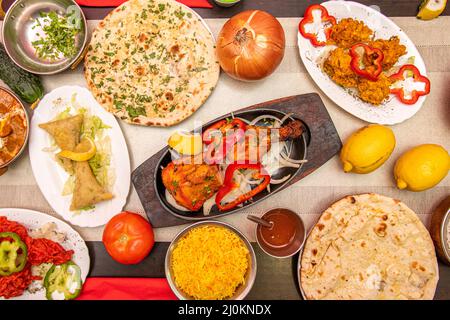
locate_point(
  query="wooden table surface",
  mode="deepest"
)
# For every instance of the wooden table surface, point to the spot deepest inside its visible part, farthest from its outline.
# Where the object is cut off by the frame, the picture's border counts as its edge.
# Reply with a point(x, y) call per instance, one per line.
point(276, 278)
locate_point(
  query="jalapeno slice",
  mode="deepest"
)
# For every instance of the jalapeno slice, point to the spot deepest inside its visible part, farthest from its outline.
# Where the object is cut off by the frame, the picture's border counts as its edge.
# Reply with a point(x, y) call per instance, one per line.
point(63, 282)
point(13, 253)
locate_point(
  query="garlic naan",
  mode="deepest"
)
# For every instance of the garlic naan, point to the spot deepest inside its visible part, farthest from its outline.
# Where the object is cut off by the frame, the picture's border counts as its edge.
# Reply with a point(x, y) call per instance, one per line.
point(369, 247)
point(151, 62)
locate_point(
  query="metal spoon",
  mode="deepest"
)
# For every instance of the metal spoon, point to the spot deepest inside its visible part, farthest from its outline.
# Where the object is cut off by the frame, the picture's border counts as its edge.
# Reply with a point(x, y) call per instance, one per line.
point(259, 221)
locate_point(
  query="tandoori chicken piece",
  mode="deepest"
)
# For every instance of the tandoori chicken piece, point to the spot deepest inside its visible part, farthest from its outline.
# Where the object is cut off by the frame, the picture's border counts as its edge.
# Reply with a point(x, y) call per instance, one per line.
point(337, 66)
point(392, 50)
point(191, 184)
point(258, 140)
point(348, 32)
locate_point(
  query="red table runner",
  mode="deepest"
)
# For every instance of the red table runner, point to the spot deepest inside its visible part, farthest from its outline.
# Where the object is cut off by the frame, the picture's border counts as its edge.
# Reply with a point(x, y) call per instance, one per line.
point(126, 289)
point(115, 3)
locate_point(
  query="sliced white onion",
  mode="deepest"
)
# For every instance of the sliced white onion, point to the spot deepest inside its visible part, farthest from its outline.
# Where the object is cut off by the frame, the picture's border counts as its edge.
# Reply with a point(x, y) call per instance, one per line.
point(264, 116)
point(171, 200)
point(174, 155)
point(286, 163)
point(278, 181)
point(232, 195)
point(244, 120)
point(207, 206)
point(287, 116)
point(285, 157)
point(246, 179)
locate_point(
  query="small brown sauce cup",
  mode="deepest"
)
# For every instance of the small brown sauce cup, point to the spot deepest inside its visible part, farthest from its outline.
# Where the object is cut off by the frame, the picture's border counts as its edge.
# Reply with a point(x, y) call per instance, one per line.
point(286, 236)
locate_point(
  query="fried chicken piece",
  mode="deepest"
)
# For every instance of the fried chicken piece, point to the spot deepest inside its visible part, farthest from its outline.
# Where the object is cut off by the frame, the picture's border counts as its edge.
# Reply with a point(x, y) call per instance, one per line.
point(337, 66)
point(374, 92)
point(392, 50)
point(348, 32)
point(191, 184)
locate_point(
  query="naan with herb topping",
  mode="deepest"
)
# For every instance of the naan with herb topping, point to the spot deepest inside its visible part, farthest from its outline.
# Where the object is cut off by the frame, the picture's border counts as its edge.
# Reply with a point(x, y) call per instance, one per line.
point(369, 246)
point(151, 62)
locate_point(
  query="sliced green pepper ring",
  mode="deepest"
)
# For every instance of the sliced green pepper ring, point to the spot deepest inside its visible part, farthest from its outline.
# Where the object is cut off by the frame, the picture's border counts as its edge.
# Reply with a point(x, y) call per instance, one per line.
point(13, 253)
point(63, 282)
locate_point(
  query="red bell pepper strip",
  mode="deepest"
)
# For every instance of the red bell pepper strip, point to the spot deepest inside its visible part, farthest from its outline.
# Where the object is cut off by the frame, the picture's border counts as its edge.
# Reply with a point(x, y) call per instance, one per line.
point(327, 22)
point(230, 132)
point(223, 126)
point(368, 63)
point(229, 185)
point(415, 94)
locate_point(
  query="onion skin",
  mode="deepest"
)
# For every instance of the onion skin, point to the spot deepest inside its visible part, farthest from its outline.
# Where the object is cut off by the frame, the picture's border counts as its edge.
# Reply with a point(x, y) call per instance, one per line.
point(251, 45)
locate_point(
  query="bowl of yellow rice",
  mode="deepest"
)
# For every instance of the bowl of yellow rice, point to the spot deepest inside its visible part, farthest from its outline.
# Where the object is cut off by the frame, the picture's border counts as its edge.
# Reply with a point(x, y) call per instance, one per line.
point(210, 260)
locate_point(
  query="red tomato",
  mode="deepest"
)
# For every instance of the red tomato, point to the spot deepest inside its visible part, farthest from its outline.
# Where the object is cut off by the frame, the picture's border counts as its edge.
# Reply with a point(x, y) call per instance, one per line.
point(128, 238)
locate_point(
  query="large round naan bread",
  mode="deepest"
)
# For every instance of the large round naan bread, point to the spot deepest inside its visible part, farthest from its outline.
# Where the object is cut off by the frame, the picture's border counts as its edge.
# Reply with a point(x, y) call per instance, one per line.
point(369, 247)
point(152, 62)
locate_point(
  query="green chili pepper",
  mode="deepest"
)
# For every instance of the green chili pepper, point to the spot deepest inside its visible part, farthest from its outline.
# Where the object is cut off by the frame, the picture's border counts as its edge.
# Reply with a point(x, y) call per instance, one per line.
point(13, 253)
point(63, 282)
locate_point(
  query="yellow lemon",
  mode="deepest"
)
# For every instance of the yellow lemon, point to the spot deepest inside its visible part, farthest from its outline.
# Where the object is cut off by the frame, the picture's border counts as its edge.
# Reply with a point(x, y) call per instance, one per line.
point(88, 147)
point(430, 9)
point(367, 149)
point(186, 143)
point(421, 167)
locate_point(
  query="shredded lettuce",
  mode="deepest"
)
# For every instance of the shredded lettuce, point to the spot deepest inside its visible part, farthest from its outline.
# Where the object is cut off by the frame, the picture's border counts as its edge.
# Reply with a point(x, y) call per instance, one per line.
point(101, 163)
point(69, 186)
point(87, 208)
point(63, 115)
point(93, 127)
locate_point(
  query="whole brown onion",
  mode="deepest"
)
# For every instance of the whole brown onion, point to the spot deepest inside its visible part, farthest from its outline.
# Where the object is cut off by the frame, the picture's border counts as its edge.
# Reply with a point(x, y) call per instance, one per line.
point(251, 45)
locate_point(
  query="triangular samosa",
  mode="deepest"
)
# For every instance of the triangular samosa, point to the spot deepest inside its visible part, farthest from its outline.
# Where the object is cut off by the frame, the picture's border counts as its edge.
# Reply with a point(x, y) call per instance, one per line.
point(87, 190)
point(66, 133)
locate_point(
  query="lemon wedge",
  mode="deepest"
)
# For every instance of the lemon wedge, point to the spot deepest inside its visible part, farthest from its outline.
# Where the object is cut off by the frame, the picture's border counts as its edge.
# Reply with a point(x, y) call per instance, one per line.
point(430, 9)
point(186, 143)
point(87, 151)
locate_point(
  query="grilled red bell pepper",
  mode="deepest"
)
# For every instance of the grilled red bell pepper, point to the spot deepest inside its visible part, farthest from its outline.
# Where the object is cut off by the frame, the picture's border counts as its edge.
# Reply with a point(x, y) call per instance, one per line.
point(231, 131)
point(229, 185)
point(223, 126)
point(326, 20)
point(414, 94)
point(367, 62)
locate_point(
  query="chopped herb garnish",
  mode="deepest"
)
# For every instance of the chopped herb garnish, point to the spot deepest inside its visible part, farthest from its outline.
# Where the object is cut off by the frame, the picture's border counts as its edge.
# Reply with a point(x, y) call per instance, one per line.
point(60, 33)
point(135, 112)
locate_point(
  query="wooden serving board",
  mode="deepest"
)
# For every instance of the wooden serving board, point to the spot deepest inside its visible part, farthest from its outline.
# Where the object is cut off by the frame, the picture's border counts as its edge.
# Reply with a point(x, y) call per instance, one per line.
point(323, 144)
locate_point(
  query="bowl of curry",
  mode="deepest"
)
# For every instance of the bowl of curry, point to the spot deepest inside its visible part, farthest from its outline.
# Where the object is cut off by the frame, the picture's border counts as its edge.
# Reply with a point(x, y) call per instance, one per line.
point(14, 128)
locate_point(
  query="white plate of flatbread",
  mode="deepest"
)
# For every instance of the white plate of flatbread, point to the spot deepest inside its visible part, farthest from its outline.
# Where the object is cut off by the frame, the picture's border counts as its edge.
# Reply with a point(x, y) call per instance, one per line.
point(368, 247)
point(53, 178)
point(391, 111)
point(33, 221)
point(152, 62)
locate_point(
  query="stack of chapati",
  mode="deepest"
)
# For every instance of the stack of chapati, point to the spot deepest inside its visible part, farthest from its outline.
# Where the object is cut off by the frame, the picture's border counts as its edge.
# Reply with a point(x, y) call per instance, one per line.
point(152, 62)
point(369, 247)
